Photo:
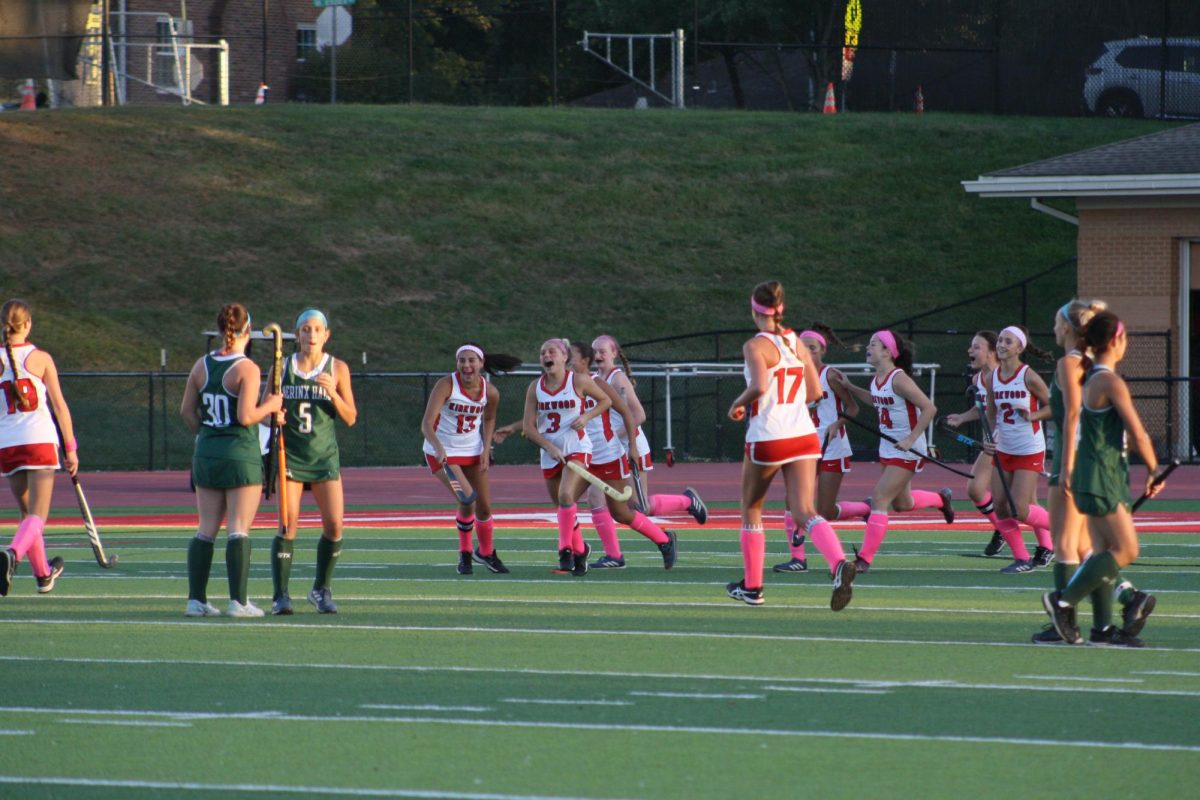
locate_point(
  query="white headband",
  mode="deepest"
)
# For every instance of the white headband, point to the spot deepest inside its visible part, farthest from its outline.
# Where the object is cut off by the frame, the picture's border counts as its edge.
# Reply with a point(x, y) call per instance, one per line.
point(470, 348)
point(1017, 334)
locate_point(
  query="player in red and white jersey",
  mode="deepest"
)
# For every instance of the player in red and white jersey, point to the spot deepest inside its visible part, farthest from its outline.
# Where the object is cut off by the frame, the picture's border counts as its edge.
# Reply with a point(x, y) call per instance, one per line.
point(780, 437)
point(835, 453)
point(459, 419)
point(29, 444)
point(904, 414)
point(1014, 393)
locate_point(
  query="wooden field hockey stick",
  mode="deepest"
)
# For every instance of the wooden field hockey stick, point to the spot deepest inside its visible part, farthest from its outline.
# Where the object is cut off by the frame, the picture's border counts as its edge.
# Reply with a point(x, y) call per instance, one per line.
point(1158, 480)
point(276, 333)
point(635, 472)
point(581, 471)
point(89, 524)
point(987, 437)
point(887, 438)
point(463, 492)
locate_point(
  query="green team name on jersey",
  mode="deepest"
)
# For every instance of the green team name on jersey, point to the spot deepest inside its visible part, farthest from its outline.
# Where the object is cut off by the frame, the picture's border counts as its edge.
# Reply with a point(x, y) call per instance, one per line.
point(309, 430)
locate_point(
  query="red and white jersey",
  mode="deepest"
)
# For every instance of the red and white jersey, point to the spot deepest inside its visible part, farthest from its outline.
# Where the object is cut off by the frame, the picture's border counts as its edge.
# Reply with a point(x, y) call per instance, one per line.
point(18, 427)
point(897, 418)
point(618, 426)
point(1016, 436)
point(781, 412)
point(555, 413)
point(459, 425)
point(977, 383)
point(606, 447)
point(824, 413)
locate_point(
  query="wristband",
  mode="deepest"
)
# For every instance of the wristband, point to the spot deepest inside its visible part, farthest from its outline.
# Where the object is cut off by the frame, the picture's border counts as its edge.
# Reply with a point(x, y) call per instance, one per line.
point(71, 446)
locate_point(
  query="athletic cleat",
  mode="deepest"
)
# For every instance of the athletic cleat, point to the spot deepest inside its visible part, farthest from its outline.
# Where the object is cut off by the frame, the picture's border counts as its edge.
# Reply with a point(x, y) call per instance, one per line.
point(608, 562)
point(492, 562)
point(579, 566)
point(947, 505)
point(1063, 619)
point(861, 565)
point(8, 563)
point(697, 509)
point(282, 606)
point(1047, 635)
point(794, 565)
point(245, 610)
point(995, 545)
point(464, 564)
point(47, 583)
point(738, 591)
point(1017, 567)
point(1135, 612)
point(323, 599)
point(668, 550)
point(201, 608)
point(843, 577)
point(565, 562)
point(1112, 636)
point(1042, 557)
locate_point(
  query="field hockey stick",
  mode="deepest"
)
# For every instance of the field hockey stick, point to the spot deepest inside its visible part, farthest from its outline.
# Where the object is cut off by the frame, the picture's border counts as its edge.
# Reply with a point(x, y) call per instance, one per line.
point(958, 437)
point(581, 471)
point(636, 473)
point(987, 437)
point(276, 333)
point(89, 523)
point(1158, 480)
point(459, 484)
point(887, 438)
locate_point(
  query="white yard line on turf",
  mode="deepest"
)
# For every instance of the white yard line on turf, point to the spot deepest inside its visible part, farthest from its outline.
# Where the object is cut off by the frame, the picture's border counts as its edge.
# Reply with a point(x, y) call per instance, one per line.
point(700, 695)
point(387, 707)
point(16, 733)
point(266, 788)
point(133, 723)
point(1077, 678)
point(541, 702)
point(1166, 672)
point(823, 690)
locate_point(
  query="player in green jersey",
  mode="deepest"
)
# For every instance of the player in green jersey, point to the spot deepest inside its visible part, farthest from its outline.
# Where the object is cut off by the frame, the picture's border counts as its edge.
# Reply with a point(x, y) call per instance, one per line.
point(316, 393)
point(220, 405)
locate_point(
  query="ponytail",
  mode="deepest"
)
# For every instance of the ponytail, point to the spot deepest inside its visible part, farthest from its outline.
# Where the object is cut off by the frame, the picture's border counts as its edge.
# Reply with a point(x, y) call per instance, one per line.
point(1098, 336)
point(233, 321)
point(830, 336)
point(13, 315)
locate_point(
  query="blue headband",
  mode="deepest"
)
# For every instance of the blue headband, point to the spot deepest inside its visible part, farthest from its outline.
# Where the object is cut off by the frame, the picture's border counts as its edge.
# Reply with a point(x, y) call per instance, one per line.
point(1066, 307)
point(310, 313)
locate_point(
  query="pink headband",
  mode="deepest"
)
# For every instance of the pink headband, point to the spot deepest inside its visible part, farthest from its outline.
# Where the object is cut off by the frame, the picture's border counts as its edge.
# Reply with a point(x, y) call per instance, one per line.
point(814, 335)
point(766, 311)
point(889, 341)
point(1017, 334)
point(469, 348)
point(1120, 328)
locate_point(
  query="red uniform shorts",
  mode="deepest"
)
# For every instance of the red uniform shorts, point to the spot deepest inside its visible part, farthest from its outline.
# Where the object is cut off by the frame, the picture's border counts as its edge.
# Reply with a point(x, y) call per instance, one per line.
point(784, 451)
point(28, 456)
point(611, 470)
point(1034, 462)
point(459, 461)
point(915, 465)
point(556, 470)
point(838, 465)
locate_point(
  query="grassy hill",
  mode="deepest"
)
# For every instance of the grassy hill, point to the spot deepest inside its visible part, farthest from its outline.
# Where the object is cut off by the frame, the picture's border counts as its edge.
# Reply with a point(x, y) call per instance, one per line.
point(417, 227)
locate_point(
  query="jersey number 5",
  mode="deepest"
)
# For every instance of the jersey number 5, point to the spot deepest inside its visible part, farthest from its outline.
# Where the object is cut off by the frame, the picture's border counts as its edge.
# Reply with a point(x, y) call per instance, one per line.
point(304, 412)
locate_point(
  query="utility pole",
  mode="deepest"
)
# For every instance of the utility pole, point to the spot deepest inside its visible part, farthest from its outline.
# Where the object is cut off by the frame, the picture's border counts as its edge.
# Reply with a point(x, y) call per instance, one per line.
point(554, 53)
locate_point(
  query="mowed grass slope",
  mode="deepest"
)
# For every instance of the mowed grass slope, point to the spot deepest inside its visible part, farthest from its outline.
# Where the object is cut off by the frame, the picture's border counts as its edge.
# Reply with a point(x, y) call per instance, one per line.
point(636, 683)
point(417, 227)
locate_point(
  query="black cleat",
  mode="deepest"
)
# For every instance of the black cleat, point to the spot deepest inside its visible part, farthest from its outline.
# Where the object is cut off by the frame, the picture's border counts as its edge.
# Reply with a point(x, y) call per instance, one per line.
point(738, 591)
point(947, 505)
point(1042, 557)
point(1135, 612)
point(492, 562)
point(8, 563)
point(1062, 618)
point(565, 562)
point(1047, 635)
point(579, 566)
point(794, 565)
point(995, 545)
point(323, 600)
point(861, 565)
point(843, 577)
point(1112, 636)
point(608, 562)
point(1017, 567)
point(668, 550)
point(464, 564)
point(697, 509)
point(47, 583)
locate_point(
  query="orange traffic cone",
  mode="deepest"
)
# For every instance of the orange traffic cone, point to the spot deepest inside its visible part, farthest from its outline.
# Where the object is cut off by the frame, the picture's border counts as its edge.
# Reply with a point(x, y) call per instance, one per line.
point(919, 104)
point(830, 102)
point(261, 97)
point(28, 96)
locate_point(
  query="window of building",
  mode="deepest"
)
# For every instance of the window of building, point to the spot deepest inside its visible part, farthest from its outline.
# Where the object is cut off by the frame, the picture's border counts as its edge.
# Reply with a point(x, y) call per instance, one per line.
point(306, 41)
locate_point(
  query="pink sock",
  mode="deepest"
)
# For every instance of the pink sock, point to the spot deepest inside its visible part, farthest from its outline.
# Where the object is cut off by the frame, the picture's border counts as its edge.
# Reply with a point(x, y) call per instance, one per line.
point(988, 509)
point(566, 525)
point(606, 528)
point(1039, 519)
point(876, 530)
point(466, 526)
point(669, 504)
point(753, 551)
point(577, 543)
point(483, 532)
point(29, 534)
point(926, 499)
point(1010, 529)
point(642, 524)
point(790, 527)
point(826, 541)
point(847, 510)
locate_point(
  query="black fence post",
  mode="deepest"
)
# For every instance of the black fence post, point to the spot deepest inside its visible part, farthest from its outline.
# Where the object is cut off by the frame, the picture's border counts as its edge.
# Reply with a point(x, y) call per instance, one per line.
point(150, 421)
point(165, 425)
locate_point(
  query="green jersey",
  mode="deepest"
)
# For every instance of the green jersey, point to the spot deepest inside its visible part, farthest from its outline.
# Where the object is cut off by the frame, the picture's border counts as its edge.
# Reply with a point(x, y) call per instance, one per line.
point(1100, 479)
point(1058, 415)
point(227, 453)
point(309, 431)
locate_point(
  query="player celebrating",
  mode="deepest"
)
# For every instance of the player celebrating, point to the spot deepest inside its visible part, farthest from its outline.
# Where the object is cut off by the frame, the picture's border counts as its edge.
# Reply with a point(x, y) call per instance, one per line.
point(1099, 484)
point(316, 393)
point(220, 406)
point(459, 420)
point(780, 437)
point(29, 444)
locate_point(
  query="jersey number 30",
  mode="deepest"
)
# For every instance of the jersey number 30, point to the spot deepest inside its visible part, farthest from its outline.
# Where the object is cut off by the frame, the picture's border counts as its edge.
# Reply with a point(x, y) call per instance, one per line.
point(216, 410)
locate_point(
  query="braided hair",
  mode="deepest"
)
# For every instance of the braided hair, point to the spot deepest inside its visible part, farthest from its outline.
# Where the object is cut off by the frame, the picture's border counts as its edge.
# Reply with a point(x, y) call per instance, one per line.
point(605, 338)
point(13, 315)
point(233, 321)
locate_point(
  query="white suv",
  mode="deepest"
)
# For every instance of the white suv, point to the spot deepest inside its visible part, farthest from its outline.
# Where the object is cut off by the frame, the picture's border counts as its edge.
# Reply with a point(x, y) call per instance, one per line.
point(1126, 81)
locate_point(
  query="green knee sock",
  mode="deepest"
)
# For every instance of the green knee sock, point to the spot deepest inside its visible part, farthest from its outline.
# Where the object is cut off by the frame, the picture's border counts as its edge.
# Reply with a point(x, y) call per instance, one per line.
point(327, 556)
point(1099, 570)
point(281, 565)
point(1062, 574)
point(237, 566)
point(1102, 605)
point(199, 564)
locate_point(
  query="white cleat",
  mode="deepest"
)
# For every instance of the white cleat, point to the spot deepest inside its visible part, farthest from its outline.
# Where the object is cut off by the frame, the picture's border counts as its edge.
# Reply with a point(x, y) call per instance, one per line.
point(196, 608)
point(236, 609)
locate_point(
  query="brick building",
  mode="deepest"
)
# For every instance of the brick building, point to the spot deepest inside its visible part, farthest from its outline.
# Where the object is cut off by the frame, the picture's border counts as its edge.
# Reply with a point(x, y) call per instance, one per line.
point(1137, 208)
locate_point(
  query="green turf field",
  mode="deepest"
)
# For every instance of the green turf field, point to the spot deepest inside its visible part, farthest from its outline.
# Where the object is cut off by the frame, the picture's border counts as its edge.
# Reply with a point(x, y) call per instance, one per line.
point(627, 684)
